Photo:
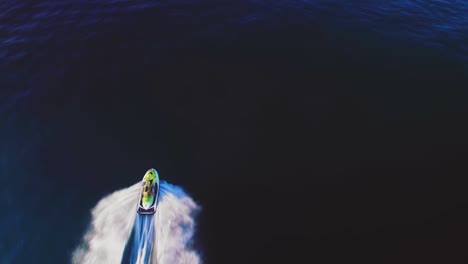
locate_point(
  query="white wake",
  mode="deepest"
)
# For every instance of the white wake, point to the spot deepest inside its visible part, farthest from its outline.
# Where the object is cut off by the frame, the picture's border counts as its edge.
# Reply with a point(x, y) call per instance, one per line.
point(113, 219)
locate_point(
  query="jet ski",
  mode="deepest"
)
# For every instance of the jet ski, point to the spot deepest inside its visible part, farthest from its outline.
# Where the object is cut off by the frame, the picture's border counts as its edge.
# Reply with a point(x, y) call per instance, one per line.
point(149, 193)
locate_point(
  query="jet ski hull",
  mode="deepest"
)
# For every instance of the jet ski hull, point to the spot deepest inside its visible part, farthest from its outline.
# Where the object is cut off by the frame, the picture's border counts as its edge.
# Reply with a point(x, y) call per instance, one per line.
point(149, 193)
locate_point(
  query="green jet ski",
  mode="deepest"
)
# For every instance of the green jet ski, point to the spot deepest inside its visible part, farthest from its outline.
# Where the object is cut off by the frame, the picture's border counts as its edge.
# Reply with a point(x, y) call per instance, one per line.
point(149, 193)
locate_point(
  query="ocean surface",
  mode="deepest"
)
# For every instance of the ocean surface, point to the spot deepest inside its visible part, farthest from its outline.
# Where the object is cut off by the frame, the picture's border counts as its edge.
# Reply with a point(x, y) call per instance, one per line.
point(316, 130)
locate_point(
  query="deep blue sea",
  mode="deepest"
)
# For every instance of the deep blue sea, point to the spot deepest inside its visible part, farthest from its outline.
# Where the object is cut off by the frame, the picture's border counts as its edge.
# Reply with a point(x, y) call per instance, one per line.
point(324, 130)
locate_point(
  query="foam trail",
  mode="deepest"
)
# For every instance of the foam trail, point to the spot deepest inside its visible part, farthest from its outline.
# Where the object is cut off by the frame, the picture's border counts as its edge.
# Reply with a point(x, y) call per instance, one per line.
point(139, 246)
point(115, 215)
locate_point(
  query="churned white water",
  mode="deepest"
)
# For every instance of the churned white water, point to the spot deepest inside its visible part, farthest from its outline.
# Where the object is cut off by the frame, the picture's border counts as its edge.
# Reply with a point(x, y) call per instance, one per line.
point(162, 238)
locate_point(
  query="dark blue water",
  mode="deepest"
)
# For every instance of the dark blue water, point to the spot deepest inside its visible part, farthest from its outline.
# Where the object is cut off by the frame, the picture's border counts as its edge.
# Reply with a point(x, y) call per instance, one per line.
point(359, 107)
